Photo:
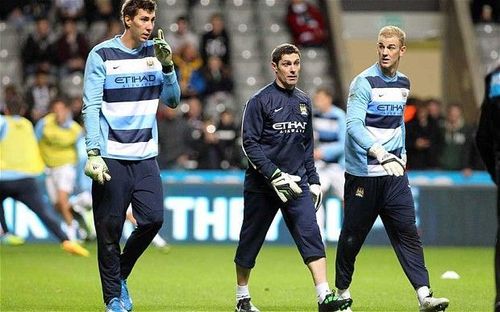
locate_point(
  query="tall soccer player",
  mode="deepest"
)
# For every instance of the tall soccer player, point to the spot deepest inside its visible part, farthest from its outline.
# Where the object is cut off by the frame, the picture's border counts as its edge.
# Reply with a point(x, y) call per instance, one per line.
point(124, 79)
point(278, 142)
point(376, 183)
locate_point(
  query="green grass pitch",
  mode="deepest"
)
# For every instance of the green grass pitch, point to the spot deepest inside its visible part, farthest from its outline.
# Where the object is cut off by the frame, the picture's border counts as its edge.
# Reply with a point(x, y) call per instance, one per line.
point(41, 277)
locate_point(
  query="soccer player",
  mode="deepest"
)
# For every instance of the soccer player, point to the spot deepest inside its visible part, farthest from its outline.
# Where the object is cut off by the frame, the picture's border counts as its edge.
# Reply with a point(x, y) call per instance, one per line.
point(58, 135)
point(125, 77)
point(376, 183)
point(20, 164)
point(329, 135)
point(488, 143)
point(278, 142)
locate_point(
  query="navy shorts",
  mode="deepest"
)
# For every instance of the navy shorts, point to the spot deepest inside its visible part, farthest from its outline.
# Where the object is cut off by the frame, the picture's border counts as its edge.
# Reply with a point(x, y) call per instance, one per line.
point(300, 218)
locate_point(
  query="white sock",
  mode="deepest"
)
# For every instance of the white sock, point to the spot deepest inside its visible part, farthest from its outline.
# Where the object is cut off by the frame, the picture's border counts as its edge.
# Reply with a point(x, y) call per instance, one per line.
point(71, 230)
point(159, 242)
point(422, 293)
point(242, 292)
point(322, 290)
point(344, 293)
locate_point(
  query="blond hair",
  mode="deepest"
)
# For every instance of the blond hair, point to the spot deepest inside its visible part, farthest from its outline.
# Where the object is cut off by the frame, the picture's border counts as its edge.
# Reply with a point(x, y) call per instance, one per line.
point(393, 31)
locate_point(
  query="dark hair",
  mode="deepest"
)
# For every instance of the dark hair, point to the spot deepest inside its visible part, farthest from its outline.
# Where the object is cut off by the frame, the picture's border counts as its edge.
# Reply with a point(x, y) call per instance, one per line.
point(15, 106)
point(61, 99)
point(282, 49)
point(131, 7)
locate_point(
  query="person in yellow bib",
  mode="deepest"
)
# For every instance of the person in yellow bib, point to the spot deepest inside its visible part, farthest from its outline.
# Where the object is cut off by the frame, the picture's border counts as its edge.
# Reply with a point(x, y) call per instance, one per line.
point(20, 164)
point(58, 135)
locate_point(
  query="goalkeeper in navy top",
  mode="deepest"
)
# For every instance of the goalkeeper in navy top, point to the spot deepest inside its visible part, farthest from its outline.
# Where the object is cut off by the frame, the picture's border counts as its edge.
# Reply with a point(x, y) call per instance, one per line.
point(278, 142)
point(376, 183)
point(124, 79)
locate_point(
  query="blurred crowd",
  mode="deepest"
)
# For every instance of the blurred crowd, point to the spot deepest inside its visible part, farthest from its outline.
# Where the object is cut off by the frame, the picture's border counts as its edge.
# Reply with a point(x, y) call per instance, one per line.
point(440, 138)
point(57, 37)
point(204, 132)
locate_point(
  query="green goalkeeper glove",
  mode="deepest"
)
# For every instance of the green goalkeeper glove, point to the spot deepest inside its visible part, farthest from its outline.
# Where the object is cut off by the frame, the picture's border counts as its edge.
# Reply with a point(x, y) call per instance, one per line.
point(285, 185)
point(96, 168)
point(163, 51)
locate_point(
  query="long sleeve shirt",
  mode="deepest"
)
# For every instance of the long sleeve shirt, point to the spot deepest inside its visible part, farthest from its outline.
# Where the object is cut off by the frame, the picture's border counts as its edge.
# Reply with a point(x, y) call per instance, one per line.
point(375, 110)
point(277, 133)
point(121, 90)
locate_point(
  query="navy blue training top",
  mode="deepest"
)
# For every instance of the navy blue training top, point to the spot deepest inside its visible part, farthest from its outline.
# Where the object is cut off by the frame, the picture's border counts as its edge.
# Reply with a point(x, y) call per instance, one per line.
point(277, 133)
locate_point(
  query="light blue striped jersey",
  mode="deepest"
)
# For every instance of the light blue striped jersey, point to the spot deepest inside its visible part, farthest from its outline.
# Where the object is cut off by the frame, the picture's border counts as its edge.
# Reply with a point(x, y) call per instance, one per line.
point(329, 134)
point(375, 110)
point(120, 98)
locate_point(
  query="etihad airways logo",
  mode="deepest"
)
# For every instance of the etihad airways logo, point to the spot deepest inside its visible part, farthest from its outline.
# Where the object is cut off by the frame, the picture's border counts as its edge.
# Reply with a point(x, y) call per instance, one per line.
point(135, 79)
point(392, 108)
point(290, 126)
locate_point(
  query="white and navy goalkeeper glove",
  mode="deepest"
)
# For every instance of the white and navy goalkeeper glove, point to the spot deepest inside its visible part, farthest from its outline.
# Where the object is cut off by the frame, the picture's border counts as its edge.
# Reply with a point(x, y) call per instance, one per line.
point(285, 185)
point(392, 164)
point(96, 168)
point(317, 195)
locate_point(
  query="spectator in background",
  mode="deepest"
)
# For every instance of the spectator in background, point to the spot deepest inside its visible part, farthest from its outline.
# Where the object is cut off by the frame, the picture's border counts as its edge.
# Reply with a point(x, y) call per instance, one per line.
point(457, 141)
point(182, 35)
point(39, 95)
point(485, 11)
point(71, 49)
point(435, 111)
point(69, 9)
point(189, 71)
point(173, 137)
point(198, 155)
point(101, 10)
point(216, 42)
point(306, 24)
point(488, 143)
point(410, 109)
point(219, 87)
point(58, 135)
point(217, 76)
point(423, 140)
point(37, 52)
point(227, 150)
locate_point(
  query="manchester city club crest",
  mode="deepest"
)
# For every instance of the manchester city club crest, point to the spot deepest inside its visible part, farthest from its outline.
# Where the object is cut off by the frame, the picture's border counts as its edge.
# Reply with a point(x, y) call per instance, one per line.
point(150, 62)
point(303, 109)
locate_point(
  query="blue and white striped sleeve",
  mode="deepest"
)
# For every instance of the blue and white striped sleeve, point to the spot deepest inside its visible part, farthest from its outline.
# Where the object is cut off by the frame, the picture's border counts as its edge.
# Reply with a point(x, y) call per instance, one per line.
point(93, 86)
point(357, 104)
point(336, 149)
point(171, 92)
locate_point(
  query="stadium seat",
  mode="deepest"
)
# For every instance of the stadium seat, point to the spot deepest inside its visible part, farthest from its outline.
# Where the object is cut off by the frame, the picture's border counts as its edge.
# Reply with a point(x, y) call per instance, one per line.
point(201, 13)
point(237, 17)
point(10, 72)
